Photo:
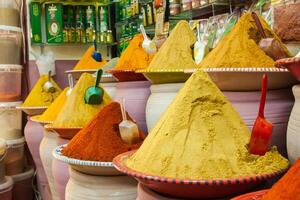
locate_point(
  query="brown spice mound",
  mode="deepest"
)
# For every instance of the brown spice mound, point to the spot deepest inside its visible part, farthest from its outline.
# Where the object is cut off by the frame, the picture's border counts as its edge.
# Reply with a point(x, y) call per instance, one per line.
point(100, 139)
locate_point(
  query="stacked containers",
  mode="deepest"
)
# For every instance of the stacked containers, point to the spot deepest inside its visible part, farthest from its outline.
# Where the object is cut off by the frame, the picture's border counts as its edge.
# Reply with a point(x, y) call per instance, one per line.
point(11, 40)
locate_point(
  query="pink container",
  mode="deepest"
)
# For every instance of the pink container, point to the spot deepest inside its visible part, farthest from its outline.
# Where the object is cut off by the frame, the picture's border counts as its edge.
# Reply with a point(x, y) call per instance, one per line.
point(33, 133)
point(6, 189)
point(60, 172)
point(22, 189)
point(136, 94)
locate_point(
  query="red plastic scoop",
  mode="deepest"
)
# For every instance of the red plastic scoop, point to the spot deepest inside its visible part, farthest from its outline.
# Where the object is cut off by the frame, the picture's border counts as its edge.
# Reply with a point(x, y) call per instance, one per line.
point(262, 129)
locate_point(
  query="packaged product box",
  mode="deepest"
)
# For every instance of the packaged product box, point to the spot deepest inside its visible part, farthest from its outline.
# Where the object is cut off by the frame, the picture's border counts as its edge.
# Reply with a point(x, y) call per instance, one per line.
point(54, 25)
point(35, 22)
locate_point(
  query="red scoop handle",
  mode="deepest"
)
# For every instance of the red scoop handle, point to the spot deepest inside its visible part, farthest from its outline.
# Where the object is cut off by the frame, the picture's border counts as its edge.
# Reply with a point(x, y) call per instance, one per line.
point(263, 96)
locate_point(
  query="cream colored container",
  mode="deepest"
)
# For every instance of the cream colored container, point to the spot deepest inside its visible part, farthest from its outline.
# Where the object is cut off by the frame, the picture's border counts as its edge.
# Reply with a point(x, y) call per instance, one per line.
point(293, 131)
point(10, 12)
point(10, 120)
point(88, 187)
point(11, 41)
point(14, 159)
point(6, 189)
point(10, 82)
point(47, 145)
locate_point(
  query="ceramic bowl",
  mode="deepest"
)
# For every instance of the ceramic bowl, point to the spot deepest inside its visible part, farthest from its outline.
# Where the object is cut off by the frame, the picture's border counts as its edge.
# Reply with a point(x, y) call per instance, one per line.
point(192, 189)
point(86, 166)
point(106, 78)
point(66, 133)
point(127, 75)
point(32, 111)
point(42, 122)
point(226, 79)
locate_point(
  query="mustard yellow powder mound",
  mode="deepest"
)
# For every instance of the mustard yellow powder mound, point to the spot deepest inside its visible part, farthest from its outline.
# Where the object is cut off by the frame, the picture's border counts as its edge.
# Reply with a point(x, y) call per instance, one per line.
point(176, 52)
point(75, 112)
point(240, 48)
point(38, 96)
point(201, 136)
point(87, 61)
point(52, 111)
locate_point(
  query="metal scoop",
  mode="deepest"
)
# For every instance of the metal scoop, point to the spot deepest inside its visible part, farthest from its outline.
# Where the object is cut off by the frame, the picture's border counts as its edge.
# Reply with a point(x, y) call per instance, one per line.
point(71, 84)
point(270, 46)
point(262, 129)
point(128, 130)
point(48, 86)
point(148, 45)
point(94, 94)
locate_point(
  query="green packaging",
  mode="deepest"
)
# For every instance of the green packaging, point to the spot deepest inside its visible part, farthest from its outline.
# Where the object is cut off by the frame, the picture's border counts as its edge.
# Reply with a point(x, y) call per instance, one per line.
point(54, 29)
point(35, 22)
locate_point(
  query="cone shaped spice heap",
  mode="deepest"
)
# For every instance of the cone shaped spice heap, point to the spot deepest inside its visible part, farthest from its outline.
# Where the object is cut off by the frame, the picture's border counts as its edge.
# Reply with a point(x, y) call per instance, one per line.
point(39, 97)
point(75, 112)
point(176, 52)
point(52, 111)
point(240, 47)
point(201, 136)
point(288, 187)
point(88, 62)
point(100, 140)
point(134, 57)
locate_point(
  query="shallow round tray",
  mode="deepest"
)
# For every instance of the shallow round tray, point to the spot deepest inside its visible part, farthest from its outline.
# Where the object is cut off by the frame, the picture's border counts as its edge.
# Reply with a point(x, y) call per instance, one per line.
point(38, 110)
point(86, 166)
point(127, 75)
point(192, 189)
point(106, 78)
point(228, 79)
point(258, 195)
point(33, 118)
point(67, 133)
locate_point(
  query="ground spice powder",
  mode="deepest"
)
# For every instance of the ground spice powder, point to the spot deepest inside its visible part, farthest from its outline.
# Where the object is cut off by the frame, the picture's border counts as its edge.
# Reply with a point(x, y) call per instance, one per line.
point(201, 136)
point(240, 47)
point(176, 52)
point(75, 112)
point(134, 57)
point(288, 187)
point(100, 139)
point(39, 97)
point(88, 62)
point(52, 111)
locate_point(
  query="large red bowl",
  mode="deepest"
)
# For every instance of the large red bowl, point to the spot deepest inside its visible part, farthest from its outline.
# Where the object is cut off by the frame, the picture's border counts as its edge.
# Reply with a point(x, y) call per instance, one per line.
point(192, 189)
point(127, 75)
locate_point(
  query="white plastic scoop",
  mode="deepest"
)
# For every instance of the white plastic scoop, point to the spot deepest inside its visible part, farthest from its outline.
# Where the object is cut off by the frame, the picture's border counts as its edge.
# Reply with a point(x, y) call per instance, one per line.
point(148, 45)
point(71, 84)
point(128, 130)
point(48, 86)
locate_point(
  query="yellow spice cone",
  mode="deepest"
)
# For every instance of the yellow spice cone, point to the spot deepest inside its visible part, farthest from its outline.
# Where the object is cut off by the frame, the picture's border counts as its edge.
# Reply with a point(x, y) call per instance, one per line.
point(88, 62)
point(201, 136)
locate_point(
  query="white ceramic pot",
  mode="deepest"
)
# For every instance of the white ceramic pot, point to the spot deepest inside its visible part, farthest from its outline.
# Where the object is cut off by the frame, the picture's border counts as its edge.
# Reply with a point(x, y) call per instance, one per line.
point(110, 88)
point(33, 133)
point(47, 145)
point(293, 132)
point(278, 107)
point(60, 171)
point(136, 94)
point(88, 187)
